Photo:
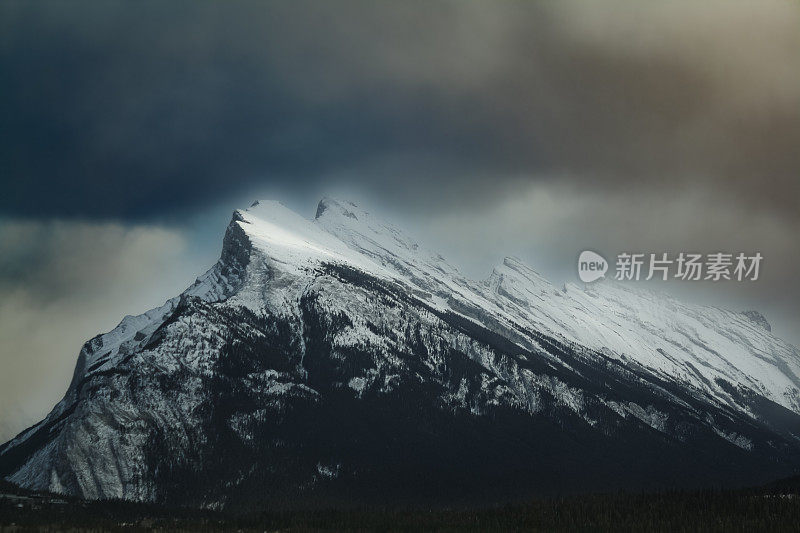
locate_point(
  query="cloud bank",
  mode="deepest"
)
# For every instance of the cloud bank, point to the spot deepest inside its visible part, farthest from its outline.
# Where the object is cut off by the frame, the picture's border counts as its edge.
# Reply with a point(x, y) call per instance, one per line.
point(127, 110)
point(492, 128)
point(62, 283)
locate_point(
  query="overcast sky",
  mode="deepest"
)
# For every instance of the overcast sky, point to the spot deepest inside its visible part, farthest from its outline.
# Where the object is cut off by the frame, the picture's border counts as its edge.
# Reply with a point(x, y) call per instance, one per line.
point(129, 131)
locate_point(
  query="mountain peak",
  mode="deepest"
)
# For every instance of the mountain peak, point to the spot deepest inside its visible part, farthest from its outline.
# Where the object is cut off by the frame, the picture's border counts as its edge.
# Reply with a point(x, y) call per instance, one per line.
point(260, 206)
point(240, 386)
point(516, 269)
point(341, 208)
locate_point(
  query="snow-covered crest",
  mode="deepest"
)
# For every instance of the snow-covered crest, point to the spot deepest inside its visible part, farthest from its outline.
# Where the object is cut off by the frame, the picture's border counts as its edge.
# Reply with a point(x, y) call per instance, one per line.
point(297, 307)
point(696, 345)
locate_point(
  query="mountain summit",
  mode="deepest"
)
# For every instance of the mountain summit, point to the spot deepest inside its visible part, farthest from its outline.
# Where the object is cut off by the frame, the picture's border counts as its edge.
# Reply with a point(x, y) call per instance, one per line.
point(336, 360)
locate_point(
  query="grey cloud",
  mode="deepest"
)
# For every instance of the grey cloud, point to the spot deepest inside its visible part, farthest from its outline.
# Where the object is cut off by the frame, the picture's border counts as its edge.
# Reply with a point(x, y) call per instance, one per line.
point(528, 128)
point(130, 110)
point(62, 283)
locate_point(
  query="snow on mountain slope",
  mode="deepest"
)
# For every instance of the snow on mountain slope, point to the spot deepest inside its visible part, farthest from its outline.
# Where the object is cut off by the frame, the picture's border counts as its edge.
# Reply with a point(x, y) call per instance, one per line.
point(696, 345)
point(689, 343)
point(311, 315)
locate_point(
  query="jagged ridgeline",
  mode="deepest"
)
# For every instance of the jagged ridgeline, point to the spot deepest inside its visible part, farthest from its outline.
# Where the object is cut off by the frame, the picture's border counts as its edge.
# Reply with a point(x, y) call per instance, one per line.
point(336, 361)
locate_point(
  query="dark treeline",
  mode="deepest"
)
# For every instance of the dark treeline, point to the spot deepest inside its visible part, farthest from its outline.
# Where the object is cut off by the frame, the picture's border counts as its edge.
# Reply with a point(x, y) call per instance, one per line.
point(672, 511)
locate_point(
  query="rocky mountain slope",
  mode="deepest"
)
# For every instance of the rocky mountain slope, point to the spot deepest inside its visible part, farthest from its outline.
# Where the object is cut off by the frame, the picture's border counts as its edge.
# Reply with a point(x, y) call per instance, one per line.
point(335, 360)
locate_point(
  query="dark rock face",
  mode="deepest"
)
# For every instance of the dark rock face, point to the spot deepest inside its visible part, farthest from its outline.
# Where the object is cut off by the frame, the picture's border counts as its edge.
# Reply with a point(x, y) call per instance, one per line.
point(758, 318)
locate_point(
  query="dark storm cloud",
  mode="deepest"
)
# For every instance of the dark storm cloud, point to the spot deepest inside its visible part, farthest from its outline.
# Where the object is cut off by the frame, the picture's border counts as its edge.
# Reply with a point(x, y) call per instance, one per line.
point(492, 128)
point(131, 109)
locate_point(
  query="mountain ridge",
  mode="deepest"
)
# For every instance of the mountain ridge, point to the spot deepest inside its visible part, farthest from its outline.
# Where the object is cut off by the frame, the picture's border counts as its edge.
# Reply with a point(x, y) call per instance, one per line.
point(345, 314)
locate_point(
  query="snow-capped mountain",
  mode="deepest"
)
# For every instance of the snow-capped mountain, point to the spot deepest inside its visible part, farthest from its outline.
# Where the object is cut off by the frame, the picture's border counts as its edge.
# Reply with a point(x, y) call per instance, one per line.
point(335, 359)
